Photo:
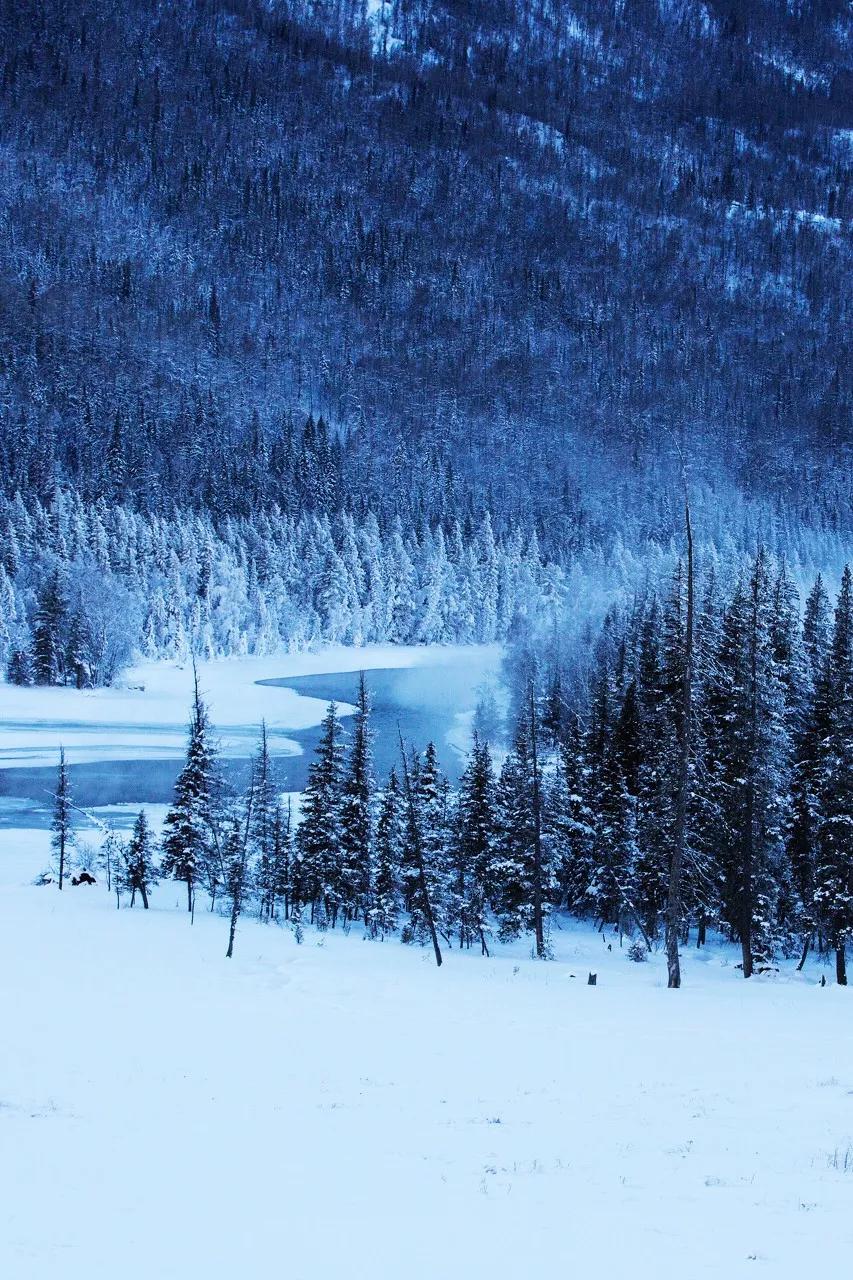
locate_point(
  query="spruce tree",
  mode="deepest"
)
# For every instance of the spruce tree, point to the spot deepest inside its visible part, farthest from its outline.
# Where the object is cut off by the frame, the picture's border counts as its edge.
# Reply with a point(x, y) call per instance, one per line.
point(385, 890)
point(571, 819)
point(235, 859)
point(139, 873)
point(356, 813)
point(812, 731)
point(188, 846)
point(473, 848)
point(62, 837)
point(282, 862)
point(420, 894)
point(834, 872)
point(263, 833)
point(755, 754)
point(319, 834)
point(524, 882)
point(425, 851)
point(50, 632)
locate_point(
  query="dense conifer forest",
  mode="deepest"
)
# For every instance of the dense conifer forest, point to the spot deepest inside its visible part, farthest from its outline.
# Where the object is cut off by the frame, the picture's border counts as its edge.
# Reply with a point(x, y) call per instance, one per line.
point(305, 302)
point(576, 807)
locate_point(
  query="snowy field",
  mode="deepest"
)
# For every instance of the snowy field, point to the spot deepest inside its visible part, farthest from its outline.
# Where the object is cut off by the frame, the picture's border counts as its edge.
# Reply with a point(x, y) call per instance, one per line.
point(146, 714)
point(342, 1108)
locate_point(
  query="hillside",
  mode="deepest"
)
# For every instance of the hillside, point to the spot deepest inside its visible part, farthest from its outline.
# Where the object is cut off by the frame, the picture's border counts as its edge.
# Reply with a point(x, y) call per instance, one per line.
point(483, 241)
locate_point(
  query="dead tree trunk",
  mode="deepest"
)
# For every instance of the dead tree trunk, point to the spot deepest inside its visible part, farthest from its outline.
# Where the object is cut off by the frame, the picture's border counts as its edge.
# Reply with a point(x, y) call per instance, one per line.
point(841, 964)
point(805, 955)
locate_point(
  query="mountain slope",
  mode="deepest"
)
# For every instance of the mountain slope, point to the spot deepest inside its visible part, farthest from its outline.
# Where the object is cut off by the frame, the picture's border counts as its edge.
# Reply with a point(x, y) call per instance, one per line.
point(484, 238)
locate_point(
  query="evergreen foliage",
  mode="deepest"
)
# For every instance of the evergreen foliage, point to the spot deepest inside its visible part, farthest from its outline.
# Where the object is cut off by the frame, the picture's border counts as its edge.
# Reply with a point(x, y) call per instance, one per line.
point(188, 847)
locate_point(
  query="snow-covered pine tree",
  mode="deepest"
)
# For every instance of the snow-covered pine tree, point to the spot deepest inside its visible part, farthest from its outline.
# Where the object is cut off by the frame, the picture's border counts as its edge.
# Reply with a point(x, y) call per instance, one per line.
point(679, 664)
point(425, 850)
point(754, 738)
point(319, 834)
point(385, 891)
point(357, 813)
point(473, 848)
point(235, 859)
point(811, 739)
point(263, 834)
point(570, 819)
point(613, 896)
point(420, 897)
point(138, 873)
point(833, 895)
point(282, 861)
point(524, 878)
point(49, 631)
point(62, 833)
point(188, 846)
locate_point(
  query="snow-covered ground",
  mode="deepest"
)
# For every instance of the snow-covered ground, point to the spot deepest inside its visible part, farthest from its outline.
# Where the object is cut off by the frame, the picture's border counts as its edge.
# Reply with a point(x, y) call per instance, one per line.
point(342, 1108)
point(147, 714)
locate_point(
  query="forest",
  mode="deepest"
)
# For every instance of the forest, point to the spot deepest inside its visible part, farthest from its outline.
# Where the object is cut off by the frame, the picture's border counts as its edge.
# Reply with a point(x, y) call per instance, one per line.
point(379, 371)
point(699, 783)
point(279, 280)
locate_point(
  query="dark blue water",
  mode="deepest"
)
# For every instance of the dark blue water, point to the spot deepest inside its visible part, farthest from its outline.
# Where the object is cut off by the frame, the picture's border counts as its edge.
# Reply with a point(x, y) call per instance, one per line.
point(422, 702)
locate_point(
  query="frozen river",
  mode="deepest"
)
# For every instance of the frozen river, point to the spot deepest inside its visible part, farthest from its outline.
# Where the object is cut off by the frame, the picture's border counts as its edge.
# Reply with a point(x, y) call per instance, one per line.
point(433, 701)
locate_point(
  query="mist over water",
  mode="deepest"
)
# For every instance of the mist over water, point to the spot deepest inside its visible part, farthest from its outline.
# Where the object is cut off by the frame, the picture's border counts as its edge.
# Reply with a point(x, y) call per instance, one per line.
point(425, 703)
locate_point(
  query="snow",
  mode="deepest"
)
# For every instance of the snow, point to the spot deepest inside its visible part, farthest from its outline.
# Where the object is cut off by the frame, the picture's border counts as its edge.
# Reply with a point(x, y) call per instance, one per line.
point(345, 1108)
point(146, 716)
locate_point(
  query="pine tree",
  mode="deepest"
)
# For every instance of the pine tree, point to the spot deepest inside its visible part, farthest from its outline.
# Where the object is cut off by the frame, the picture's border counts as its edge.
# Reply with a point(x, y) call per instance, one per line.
point(235, 859)
point(812, 735)
point(49, 632)
point(571, 819)
point(755, 751)
point(77, 659)
point(425, 850)
point(473, 848)
point(138, 874)
point(681, 703)
point(524, 883)
point(188, 846)
point(385, 890)
point(834, 872)
point(19, 669)
point(62, 838)
point(264, 833)
point(420, 896)
point(319, 834)
point(356, 813)
point(282, 862)
point(613, 896)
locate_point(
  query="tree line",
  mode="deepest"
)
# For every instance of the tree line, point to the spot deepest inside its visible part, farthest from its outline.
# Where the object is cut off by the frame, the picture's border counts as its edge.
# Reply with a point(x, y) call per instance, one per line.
point(544, 241)
point(598, 800)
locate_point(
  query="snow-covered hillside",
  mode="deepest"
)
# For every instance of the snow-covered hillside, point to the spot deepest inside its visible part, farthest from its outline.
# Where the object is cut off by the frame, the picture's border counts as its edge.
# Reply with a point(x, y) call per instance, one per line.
point(343, 1108)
